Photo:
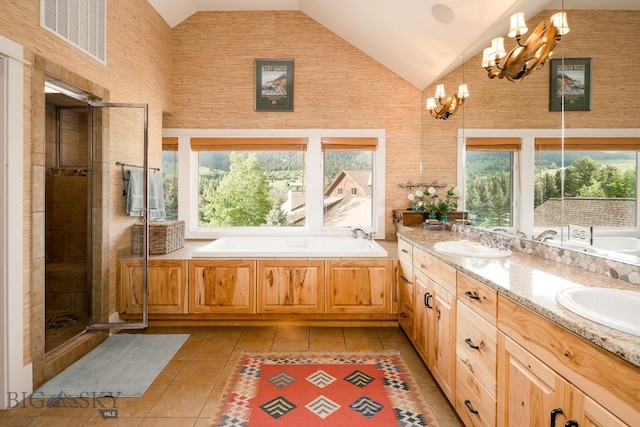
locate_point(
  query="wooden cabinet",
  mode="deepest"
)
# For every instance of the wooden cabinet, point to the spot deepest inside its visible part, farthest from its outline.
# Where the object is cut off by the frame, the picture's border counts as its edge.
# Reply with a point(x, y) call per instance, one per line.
point(501, 364)
point(290, 286)
point(534, 394)
point(359, 286)
point(406, 297)
point(588, 413)
point(424, 317)
point(435, 318)
point(167, 287)
point(476, 347)
point(596, 378)
point(529, 392)
point(442, 347)
point(224, 286)
point(476, 350)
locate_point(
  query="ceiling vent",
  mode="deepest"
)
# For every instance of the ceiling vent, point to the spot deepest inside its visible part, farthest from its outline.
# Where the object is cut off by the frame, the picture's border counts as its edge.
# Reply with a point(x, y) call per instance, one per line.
point(80, 22)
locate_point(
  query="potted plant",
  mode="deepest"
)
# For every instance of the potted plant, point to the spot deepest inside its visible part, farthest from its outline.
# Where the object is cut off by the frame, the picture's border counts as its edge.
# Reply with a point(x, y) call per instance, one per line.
point(431, 208)
point(448, 204)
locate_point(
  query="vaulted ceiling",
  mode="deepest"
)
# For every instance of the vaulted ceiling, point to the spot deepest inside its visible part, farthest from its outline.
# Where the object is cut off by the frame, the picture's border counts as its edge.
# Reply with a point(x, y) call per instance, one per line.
point(419, 40)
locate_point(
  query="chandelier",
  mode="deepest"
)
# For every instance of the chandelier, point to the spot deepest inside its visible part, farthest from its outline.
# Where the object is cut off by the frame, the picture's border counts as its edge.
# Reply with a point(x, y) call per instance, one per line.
point(523, 59)
point(450, 106)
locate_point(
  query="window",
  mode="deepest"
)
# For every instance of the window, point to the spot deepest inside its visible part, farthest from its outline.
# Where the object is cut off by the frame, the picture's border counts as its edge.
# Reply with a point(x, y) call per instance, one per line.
point(279, 181)
point(489, 165)
point(599, 185)
point(252, 182)
point(170, 177)
point(348, 165)
point(586, 178)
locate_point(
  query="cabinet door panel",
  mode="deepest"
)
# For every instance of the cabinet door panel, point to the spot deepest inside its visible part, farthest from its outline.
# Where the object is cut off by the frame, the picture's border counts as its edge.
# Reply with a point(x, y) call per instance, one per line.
point(222, 286)
point(359, 286)
point(424, 314)
point(444, 365)
point(589, 414)
point(291, 286)
point(167, 286)
point(528, 390)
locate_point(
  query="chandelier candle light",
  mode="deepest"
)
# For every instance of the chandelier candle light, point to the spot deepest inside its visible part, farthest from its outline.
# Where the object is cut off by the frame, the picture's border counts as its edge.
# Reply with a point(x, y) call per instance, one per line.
point(451, 104)
point(523, 59)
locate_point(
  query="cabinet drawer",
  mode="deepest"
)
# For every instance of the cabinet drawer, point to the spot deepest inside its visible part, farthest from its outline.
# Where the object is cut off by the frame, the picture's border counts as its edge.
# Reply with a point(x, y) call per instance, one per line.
point(438, 271)
point(405, 250)
point(472, 332)
point(474, 403)
point(405, 278)
point(480, 298)
point(405, 319)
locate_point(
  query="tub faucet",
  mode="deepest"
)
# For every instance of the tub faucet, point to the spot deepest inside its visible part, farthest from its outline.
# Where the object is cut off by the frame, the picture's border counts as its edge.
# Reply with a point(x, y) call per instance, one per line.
point(365, 235)
point(545, 235)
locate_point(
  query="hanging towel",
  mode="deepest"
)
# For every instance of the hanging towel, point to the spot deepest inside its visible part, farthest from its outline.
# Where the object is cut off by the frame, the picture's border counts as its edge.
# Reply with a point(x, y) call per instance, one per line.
point(134, 185)
point(135, 194)
point(156, 197)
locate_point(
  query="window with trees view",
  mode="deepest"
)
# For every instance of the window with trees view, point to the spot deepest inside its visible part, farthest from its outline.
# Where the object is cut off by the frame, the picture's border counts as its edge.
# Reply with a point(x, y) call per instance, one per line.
point(489, 165)
point(170, 177)
point(538, 182)
point(249, 183)
point(599, 188)
point(305, 184)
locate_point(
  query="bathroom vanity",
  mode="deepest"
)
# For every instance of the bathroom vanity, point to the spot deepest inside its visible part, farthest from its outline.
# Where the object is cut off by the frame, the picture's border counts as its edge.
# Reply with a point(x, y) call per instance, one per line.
point(502, 349)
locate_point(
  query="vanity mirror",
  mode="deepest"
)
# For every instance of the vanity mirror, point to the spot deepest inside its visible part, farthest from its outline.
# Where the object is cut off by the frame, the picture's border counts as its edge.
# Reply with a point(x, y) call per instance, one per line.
point(527, 168)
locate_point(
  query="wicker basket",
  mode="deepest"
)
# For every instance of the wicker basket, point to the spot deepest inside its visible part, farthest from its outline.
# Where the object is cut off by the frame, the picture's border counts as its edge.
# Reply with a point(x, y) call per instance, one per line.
point(164, 237)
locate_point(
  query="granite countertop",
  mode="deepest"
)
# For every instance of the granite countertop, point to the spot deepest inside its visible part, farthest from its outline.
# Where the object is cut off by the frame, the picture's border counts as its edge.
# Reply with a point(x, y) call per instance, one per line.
point(533, 282)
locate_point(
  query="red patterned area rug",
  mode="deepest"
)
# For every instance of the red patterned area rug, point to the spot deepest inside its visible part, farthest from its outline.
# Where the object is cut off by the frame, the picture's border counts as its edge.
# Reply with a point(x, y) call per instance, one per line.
point(300, 389)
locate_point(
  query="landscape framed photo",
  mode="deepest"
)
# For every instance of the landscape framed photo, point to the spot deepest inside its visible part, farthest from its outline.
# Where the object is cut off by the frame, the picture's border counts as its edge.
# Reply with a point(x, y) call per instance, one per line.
point(571, 80)
point(274, 84)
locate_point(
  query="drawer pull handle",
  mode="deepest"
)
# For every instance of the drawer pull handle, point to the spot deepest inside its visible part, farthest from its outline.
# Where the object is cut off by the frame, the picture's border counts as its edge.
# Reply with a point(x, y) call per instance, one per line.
point(403, 314)
point(572, 423)
point(554, 415)
point(427, 298)
point(471, 344)
point(471, 409)
point(405, 279)
point(404, 250)
point(472, 295)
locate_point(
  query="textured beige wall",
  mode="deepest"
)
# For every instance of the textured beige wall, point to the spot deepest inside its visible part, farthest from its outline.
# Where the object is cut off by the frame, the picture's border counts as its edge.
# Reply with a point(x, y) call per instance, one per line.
point(137, 70)
point(336, 85)
point(609, 38)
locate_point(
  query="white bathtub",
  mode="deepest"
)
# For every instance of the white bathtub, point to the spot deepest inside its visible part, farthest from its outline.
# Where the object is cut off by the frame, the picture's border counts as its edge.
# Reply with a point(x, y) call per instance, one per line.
point(290, 247)
point(603, 245)
point(618, 244)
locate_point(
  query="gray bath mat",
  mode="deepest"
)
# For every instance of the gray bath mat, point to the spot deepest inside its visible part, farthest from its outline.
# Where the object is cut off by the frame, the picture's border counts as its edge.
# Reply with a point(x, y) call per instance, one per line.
point(124, 365)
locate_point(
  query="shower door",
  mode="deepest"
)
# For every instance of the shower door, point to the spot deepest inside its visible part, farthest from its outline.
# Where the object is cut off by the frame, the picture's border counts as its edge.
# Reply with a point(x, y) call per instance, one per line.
point(122, 128)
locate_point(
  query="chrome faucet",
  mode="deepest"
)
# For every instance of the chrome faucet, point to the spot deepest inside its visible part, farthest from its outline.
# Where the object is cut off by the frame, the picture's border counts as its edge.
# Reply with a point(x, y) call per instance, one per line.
point(365, 235)
point(487, 240)
point(545, 235)
point(521, 234)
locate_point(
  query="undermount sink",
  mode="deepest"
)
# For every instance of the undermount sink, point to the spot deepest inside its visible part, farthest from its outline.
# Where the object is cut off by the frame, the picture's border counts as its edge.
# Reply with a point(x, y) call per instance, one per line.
point(615, 308)
point(466, 248)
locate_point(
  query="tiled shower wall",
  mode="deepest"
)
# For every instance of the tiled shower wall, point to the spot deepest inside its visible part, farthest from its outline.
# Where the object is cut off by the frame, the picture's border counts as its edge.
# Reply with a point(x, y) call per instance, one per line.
point(66, 241)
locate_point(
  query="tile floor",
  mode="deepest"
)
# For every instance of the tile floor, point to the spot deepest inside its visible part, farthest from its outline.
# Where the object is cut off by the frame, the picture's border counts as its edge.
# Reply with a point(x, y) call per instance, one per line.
point(187, 389)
